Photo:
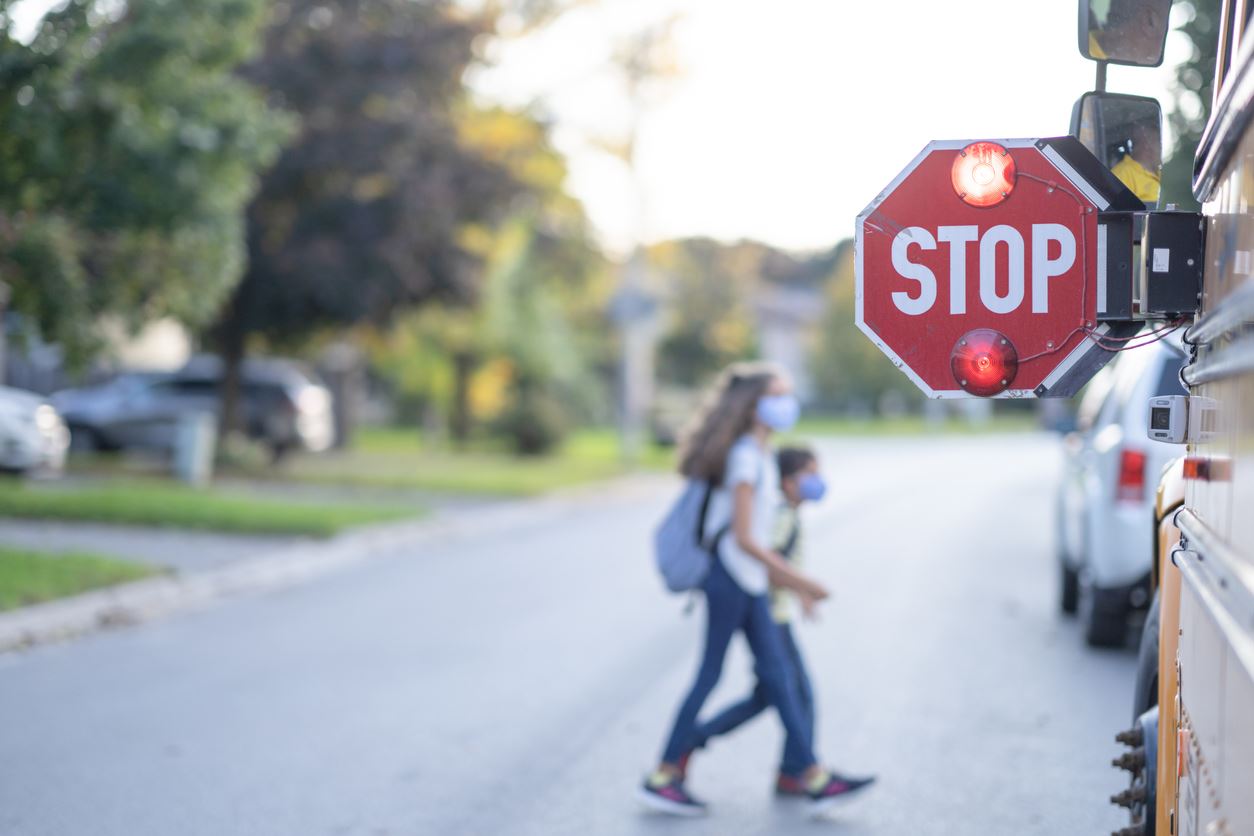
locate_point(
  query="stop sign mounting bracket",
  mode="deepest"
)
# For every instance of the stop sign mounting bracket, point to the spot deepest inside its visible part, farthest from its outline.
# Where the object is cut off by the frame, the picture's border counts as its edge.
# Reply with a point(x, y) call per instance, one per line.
point(1149, 264)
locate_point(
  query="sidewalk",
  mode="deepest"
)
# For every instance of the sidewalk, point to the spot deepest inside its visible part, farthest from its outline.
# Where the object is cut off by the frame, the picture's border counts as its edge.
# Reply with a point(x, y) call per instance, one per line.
point(178, 550)
point(253, 565)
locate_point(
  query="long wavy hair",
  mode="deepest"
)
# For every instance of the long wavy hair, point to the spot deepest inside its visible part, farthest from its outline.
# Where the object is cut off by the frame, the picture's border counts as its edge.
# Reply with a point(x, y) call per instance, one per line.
point(727, 413)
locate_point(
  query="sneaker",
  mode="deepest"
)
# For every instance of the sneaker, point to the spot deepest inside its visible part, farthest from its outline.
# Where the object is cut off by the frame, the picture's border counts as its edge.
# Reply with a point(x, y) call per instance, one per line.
point(666, 794)
point(790, 786)
point(836, 789)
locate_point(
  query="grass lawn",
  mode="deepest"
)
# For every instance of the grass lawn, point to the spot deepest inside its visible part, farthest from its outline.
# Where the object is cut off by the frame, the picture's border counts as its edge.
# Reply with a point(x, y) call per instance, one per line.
point(163, 503)
point(398, 458)
point(29, 577)
point(388, 457)
point(913, 425)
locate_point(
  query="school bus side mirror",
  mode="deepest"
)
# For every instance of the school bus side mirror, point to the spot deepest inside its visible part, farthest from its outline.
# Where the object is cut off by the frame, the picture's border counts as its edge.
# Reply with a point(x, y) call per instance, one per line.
point(1130, 32)
point(1126, 134)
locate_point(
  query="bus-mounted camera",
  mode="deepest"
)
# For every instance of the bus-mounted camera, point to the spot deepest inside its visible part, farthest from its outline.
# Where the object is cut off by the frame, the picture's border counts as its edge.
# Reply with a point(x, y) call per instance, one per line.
point(1179, 419)
point(1169, 419)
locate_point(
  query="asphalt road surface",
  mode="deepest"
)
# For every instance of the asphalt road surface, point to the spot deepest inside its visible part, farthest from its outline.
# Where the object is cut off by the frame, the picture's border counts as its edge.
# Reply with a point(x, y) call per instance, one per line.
point(520, 679)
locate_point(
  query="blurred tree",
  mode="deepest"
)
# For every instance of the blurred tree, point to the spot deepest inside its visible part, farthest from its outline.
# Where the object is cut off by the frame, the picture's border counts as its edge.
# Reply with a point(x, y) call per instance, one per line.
point(128, 149)
point(365, 213)
point(1192, 99)
point(519, 18)
point(523, 357)
point(850, 373)
point(709, 293)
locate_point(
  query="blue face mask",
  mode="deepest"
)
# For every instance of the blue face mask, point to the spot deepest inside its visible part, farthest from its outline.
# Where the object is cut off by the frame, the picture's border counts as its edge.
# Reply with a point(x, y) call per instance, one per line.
point(779, 412)
point(811, 487)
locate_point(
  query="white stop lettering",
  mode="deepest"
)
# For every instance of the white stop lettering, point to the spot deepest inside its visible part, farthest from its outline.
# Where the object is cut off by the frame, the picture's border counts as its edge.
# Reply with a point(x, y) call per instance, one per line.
point(1043, 266)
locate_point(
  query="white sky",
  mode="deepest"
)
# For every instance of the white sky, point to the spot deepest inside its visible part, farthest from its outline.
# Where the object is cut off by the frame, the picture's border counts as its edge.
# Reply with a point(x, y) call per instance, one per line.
point(791, 115)
point(788, 116)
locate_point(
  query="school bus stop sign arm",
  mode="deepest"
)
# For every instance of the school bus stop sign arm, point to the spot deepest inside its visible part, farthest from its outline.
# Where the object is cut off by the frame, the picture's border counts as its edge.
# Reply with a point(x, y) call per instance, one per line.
point(980, 268)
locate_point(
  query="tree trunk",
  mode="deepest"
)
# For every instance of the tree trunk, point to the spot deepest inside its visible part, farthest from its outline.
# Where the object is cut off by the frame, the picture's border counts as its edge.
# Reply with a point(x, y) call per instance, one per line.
point(342, 372)
point(4, 338)
point(459, 420)
point(231, 349)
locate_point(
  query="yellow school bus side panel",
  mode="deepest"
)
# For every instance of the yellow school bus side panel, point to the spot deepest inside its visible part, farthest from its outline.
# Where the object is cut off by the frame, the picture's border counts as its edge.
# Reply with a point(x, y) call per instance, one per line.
point(1167, 500)
point(1216, 691)
point(1168, 643)
point(1237, 791)
point(1215, 656)
point(1202, 658)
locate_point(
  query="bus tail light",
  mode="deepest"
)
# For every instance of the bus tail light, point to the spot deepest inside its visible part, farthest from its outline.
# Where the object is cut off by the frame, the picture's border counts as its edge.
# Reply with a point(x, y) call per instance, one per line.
point(1131, 484)
point(984, 362)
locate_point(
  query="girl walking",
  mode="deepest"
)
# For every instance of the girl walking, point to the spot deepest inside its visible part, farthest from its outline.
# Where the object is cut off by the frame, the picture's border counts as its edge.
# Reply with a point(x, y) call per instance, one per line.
point(729, 446)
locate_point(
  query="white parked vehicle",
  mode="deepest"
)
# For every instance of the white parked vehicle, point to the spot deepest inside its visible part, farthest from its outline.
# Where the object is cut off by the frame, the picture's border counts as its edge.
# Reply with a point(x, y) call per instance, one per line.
point(1105, 515)
point(33, 438)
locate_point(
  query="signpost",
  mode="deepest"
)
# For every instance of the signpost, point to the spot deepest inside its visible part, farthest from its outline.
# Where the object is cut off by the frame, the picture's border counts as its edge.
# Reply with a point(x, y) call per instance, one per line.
point(981, 269)
point(634, 312)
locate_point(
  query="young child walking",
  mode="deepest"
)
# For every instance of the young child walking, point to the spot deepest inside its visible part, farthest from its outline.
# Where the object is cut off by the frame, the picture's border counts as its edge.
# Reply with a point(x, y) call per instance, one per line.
point(800, 482)
point(729, 447)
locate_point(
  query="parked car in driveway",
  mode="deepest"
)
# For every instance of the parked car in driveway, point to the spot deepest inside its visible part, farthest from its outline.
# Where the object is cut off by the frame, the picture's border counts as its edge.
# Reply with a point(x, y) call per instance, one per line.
point(280, 406)
point(33, 438)
point(1104, 536)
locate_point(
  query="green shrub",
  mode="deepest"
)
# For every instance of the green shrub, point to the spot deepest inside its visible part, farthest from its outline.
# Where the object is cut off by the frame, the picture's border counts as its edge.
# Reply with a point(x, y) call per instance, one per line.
point(534, 423)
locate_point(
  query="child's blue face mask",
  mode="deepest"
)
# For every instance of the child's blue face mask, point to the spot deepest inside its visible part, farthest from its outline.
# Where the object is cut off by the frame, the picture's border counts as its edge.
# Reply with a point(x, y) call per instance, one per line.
point(811, 487)
point(779, 412)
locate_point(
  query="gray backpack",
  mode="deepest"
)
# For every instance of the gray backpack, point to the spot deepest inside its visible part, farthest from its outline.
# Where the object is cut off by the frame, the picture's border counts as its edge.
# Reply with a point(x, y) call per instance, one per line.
point(682, 552)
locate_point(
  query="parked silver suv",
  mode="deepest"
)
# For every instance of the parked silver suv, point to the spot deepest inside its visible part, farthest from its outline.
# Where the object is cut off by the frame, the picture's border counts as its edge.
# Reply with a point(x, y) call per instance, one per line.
point(1105, 501)
point(280, 406)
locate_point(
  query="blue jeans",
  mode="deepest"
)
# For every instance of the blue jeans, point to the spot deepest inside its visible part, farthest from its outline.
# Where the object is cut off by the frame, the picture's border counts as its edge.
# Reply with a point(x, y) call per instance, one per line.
point(739, 713)
point(729, 609)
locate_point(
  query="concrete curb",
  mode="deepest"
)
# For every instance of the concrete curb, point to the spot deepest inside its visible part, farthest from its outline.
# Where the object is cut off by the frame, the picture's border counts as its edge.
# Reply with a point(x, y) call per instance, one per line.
point(153, 598)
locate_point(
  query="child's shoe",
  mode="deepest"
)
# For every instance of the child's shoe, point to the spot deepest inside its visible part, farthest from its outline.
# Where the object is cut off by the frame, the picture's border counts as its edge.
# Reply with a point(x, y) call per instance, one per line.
point(789, 786)
point(666, 794)
point(830, 788)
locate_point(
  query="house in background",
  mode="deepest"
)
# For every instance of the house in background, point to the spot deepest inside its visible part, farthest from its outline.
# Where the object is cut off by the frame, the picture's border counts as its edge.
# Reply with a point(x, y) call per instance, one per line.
point(32, 364)
point(788, 317)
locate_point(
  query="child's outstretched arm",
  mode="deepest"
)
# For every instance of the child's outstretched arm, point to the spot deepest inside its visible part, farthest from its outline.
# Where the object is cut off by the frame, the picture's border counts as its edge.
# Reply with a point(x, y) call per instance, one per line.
point(809, 606)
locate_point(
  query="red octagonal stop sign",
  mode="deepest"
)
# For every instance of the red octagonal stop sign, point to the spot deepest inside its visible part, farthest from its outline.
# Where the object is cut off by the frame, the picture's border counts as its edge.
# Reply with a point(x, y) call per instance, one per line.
point(977, 268)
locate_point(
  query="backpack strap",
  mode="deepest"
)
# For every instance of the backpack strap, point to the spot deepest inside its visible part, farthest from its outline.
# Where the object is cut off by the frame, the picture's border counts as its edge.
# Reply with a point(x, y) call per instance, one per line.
point(791, 543)
point(710, 545)
point(691, 603)
point(705, 508)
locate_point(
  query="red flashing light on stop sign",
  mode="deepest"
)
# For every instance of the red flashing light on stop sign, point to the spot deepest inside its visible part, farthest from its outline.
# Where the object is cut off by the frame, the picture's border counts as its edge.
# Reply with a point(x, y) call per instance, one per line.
point(984, 362)
point(983, 174)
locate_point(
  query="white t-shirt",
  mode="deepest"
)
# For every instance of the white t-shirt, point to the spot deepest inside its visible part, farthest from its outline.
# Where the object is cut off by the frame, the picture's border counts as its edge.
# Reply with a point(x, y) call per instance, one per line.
point(752, 464)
